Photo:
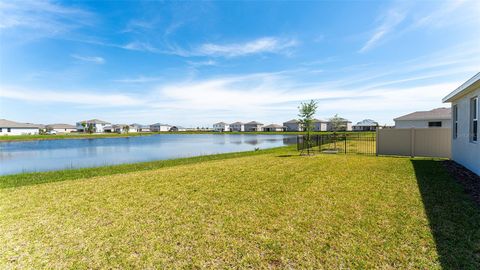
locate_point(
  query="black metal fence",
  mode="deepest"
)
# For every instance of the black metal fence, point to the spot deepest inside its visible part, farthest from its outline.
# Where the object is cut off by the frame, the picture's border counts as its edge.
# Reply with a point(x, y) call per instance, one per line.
point(346, 143)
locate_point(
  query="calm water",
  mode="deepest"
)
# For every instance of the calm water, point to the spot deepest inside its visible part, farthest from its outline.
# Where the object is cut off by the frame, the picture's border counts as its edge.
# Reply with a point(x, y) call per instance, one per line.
point(17, 157)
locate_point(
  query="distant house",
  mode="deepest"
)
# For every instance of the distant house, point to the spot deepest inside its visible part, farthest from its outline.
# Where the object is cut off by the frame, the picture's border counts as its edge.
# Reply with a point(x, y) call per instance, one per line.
point(8, 127)
point(96, 125)
point(273, 128)
point(237, 126)
point(221, 127)
point(178, 129)
point(253, 126)
point(440, 117)
point(293, 125)
point(61, 128)
point(320, 125)
point(159, 127)
point(139, 128)
point(465, 116)
point(366, 125)
point(121, 128)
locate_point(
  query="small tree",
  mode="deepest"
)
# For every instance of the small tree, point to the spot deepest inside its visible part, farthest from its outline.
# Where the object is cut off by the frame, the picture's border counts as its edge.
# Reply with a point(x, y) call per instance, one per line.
point(126, 129)
point(306, 112)
point(84, 125)
point(90, 128)
point(338, 123)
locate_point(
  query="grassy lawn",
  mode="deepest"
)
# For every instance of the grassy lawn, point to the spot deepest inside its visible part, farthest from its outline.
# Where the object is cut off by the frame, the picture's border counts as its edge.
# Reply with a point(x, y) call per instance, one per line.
point(267, 209)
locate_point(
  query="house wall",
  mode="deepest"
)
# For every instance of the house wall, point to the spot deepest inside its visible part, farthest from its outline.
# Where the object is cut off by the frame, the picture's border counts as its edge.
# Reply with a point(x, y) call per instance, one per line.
point(64, 130)
point(292, 126)
point(253, 127)
point(421, 123)
point(160, 128)
point(464, 151)
point(320, 126)
point(237, 127)
point(19, 131)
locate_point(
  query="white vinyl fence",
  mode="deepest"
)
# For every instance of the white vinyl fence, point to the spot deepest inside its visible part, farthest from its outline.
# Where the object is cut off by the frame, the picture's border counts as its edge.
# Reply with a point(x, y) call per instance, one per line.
point(415, 142)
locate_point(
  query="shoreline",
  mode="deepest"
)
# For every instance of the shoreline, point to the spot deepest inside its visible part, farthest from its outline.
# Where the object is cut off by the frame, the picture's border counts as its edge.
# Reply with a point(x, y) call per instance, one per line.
point(25, 138)
point(33, 178)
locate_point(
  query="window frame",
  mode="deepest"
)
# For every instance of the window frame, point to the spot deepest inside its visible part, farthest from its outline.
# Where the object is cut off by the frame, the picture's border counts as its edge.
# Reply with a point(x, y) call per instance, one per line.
point(474, 120)
point(455, 121)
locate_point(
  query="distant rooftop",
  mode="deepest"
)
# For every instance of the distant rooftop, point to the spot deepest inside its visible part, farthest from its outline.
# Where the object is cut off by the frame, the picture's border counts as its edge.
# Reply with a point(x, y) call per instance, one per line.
point(60, 126)
point(253, 123)
point(94, 121)
point(435, 114)
point(4, 123)
point(367, 123)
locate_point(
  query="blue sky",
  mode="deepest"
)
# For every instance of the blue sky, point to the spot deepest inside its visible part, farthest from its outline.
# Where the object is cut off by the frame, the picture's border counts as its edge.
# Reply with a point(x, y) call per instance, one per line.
point(196, 63)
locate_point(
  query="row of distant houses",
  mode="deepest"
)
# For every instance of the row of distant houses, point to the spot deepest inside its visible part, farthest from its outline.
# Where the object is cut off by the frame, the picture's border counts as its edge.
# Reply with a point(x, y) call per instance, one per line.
point(296, 125)
point(8, 127)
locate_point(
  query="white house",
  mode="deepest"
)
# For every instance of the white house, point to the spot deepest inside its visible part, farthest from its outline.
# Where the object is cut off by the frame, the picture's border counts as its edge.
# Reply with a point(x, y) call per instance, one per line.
point(96, 125)
point(293, 125)
point(253, 126)
point(178, 129)
point(366, 125)
point(139, 127)
point(237, 126)
point(159, 127)
point(61, 128)
point(14, 128)
point(320, 125)
point(221, 127)
point(274, 128)
point(440, 117)
point(465, 116)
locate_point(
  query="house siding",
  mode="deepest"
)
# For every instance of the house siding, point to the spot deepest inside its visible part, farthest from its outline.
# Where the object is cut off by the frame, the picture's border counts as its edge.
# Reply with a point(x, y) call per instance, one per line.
point(464, 151)
point(446, 123)
point(18, 131)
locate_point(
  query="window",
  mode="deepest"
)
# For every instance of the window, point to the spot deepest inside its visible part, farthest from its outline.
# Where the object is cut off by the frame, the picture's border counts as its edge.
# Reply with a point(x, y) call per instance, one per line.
point(1, 130)
point(435, 124)
point(455, 121)
point(474, 119)
point(9, 129)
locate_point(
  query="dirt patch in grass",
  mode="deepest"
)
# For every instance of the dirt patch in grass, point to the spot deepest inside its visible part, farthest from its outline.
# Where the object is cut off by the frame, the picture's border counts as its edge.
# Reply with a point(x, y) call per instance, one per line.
point(469, 180)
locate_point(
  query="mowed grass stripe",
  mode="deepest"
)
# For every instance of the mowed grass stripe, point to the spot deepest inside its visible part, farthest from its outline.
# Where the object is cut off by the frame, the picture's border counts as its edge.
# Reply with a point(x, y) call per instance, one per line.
point(264, 211)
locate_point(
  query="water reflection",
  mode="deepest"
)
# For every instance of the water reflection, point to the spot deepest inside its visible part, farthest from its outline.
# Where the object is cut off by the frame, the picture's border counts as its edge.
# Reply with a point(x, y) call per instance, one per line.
point(16, 157)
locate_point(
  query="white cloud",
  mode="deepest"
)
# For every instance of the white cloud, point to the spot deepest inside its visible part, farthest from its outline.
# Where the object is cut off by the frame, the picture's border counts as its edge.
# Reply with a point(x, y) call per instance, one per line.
point(95, 99)
point(92, 59)
point(140, 46)
point(261, 45)
point(42, 17)
point(388, 22)
point(139, 79)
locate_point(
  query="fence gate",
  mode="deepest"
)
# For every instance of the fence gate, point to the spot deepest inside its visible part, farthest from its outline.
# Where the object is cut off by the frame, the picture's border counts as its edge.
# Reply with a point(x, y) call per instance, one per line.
point(343, 143)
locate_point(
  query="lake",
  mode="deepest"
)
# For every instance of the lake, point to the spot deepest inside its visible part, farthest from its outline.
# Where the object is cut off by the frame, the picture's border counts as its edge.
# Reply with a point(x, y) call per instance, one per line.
point(47, 155)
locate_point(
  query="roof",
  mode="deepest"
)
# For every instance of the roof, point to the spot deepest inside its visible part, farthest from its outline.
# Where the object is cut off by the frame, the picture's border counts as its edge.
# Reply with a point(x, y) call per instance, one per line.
point(94, 121)
point(367, 123)
point(320, 120)
point(435, 114)
point(293, 121)
point(273, 126)
point(253, 123)
point(237, 123)
point(463, 89)
point(61, 126)
point(11, 124)
point(221, 123)
point(160, 124)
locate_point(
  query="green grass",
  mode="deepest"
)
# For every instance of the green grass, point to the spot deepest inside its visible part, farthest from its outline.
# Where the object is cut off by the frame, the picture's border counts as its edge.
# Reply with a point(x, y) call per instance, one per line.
point(117, 135)
point(271, 209)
